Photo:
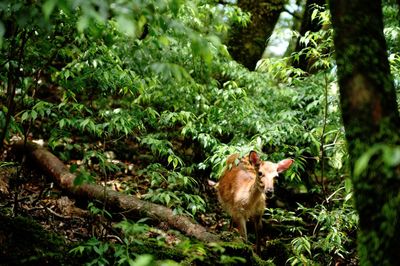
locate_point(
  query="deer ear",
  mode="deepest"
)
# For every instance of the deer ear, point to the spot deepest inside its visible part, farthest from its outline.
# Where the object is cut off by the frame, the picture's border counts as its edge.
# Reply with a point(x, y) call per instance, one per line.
point(284, 165)
point(254, 158)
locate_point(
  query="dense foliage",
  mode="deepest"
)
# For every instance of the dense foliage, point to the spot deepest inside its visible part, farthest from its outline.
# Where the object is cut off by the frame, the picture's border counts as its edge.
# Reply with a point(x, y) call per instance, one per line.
point(108, 84)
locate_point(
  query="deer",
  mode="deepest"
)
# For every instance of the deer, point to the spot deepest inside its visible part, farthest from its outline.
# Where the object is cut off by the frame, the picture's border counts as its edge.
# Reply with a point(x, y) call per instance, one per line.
point(244, 187)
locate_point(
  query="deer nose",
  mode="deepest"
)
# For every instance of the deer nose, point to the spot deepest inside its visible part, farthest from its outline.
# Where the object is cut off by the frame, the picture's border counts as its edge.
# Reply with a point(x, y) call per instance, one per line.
point(269, 192)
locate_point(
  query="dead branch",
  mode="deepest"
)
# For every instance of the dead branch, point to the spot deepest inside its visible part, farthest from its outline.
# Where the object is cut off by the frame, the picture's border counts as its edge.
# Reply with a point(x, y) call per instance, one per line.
point(116, 201)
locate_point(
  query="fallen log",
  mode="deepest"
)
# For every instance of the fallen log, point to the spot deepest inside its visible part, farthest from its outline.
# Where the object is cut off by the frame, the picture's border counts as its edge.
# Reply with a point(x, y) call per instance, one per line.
point(52, 166)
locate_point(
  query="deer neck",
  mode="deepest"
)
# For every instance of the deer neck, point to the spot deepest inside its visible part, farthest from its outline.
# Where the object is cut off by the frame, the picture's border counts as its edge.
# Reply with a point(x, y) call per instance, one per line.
point(257, 189)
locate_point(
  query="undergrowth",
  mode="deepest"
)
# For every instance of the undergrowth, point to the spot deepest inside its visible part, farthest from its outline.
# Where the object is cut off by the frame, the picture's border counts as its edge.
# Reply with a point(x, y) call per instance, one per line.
point(158, 89)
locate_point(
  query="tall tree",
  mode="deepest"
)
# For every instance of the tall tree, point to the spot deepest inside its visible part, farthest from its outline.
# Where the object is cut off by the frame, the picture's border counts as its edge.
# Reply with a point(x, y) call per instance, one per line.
point(372, 125)
point(247, 44)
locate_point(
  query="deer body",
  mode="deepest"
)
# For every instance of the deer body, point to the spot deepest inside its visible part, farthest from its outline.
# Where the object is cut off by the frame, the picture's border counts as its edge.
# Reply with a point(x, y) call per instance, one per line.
point(243, 187)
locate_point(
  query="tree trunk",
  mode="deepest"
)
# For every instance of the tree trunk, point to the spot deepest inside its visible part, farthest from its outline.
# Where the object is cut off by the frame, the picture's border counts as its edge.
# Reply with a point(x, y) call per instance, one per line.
point(247, 44)
point(51, 165)
point(371, 120)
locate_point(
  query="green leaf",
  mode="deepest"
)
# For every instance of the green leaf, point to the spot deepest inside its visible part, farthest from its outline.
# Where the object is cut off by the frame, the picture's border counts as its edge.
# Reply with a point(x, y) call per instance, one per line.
point(362, 163)
point(82, 23)
point(83, 177)
point(24, 116)
point(48, 7)
point(79, 180)
point(167, 199)
point(170, 158)
point(348, 185)
point(61, 123)
point(391, 156)
point(348, 196)
point(164, 40)
point(73, 168)
point(143, 260)
point(84, 123)
point(175, 5)
point(33, 115)
point(126, 25)
point(78, 249)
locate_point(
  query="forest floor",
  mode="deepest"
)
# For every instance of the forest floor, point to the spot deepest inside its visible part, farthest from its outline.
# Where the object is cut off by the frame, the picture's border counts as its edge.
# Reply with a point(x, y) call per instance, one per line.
point(35, 216)
point(52, 217)
point(40, 223)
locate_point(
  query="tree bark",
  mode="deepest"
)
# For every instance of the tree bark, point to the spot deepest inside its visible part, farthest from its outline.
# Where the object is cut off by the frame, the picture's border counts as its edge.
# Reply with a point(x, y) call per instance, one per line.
point(52, 166)
point(371, 119)
point(247, 44)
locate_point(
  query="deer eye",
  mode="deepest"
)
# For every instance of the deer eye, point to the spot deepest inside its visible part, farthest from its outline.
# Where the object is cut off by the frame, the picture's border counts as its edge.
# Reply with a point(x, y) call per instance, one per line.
point(259, 173)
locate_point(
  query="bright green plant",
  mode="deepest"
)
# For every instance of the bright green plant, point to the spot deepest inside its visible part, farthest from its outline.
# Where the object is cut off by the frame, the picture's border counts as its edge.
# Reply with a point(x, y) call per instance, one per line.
point(172, 189)
point(302, 250)
point(137, 241)
point(330, 239)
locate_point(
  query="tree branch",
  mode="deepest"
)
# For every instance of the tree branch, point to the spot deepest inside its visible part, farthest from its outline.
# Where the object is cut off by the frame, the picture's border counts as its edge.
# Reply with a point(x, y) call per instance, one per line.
point(52, 166)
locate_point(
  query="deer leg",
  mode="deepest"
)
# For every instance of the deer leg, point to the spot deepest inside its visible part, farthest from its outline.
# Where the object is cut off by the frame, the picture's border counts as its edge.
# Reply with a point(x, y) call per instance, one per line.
point(258, 229)
point(241, 224)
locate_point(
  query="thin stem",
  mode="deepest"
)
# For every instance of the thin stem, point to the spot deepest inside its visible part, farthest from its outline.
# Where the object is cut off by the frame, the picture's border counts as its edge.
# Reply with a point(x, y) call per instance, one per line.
point(12, 79)
point(323, 135)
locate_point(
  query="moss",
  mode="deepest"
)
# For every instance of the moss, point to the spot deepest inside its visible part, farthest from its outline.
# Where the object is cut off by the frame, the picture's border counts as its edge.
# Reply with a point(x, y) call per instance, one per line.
point(277, 251)
point(241, 249)
point(25, 242)
point(189, 252)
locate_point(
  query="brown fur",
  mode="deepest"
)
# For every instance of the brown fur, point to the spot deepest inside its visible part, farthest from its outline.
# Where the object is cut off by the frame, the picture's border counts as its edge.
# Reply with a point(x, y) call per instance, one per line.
point(242, 188)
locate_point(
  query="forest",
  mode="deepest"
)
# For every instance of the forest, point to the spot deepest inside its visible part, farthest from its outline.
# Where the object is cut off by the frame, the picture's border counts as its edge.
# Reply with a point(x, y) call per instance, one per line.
point(201, 132)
